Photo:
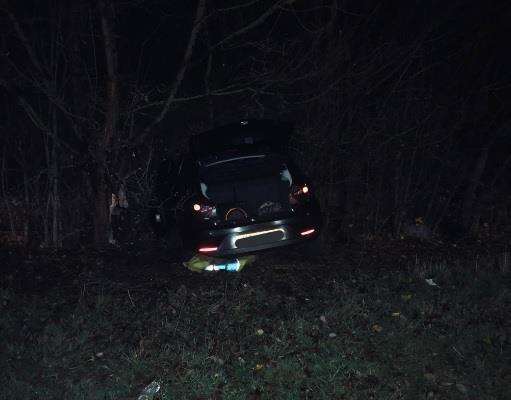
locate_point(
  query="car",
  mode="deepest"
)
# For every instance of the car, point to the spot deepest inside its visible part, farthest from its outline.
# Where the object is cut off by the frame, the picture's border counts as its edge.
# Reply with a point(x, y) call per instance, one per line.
point(236, 192)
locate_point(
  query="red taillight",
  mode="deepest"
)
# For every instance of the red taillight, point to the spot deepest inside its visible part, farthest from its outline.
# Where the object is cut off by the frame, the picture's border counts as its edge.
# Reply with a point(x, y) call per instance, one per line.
point(298, 192)
point(308, 232)
point(204, 210)
point(208, 249)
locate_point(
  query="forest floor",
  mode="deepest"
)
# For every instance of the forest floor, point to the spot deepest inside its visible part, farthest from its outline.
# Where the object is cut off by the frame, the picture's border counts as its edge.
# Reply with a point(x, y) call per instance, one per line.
point(373, 320)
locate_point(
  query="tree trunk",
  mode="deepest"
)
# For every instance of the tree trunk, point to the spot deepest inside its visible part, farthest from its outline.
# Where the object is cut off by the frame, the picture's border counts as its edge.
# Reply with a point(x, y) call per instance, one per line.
point(106, 137)
point(101, 200)
point(53, 189)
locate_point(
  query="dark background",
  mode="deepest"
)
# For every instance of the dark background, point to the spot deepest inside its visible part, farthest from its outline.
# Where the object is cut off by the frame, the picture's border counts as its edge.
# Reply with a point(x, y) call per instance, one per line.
point(401, 108)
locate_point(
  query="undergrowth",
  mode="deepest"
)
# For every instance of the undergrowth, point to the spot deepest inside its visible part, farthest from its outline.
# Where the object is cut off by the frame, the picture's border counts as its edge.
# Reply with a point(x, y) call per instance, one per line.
point(274, 331)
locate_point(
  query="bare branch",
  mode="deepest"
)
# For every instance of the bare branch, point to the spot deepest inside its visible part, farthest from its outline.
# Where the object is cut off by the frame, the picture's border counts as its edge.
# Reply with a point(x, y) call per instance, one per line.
point(216, 93)
point(258, 21)
point(201, 7)
point(26, 44)
point(237, 7)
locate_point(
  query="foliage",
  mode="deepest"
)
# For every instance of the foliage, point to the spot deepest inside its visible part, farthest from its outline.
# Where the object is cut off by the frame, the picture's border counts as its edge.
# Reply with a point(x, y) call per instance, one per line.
point(395, 119)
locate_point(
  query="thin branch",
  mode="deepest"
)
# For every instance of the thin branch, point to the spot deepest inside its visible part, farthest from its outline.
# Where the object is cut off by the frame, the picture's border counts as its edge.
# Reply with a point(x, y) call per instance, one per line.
point(216, 93)
point(201, 7)
point(237, 7)
point(258, 21)
point(26, 44)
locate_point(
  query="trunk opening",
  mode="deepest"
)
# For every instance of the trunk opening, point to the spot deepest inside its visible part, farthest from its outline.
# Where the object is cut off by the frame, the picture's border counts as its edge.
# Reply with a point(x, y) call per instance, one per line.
point(248, 187)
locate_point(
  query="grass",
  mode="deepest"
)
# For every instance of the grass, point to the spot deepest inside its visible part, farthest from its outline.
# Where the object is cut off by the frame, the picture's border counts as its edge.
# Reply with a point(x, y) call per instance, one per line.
point(275, 331)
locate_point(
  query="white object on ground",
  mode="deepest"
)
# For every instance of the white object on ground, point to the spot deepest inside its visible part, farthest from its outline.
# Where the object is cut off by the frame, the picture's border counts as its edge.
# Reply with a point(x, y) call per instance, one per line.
point(150, 391)
point(431, 282)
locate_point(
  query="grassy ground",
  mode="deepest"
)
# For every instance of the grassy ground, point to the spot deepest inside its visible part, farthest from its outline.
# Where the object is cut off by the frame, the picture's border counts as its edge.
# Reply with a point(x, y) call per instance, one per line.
point(104, 326)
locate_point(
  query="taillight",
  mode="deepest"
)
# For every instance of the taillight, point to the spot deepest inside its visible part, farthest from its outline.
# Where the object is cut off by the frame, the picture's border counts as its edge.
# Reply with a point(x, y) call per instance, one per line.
point(204, 210)
point(208, 249)
point(308, 232)
point(298, 193)
point(298, 190)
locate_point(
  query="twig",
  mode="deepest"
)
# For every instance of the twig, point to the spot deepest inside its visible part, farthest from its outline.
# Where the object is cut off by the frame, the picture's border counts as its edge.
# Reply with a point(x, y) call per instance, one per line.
point(131, 299)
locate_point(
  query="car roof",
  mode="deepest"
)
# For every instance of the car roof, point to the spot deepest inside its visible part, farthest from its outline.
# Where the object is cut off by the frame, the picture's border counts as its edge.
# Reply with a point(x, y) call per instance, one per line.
point(244, 135)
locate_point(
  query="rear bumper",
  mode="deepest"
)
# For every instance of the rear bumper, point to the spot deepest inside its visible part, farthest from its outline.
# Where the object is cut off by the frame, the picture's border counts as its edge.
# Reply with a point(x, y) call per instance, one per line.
point(255, 237)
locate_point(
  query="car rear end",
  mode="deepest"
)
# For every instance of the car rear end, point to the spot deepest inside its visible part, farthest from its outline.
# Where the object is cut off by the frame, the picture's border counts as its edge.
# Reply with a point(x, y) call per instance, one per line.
point(248, 201)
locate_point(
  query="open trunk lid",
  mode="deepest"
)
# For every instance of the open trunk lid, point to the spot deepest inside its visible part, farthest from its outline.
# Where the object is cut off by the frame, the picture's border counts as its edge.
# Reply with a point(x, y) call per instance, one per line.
point(251, 135)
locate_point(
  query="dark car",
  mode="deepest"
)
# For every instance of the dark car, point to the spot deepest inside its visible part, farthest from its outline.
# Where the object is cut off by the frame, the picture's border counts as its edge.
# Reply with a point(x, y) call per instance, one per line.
point(237, 192)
